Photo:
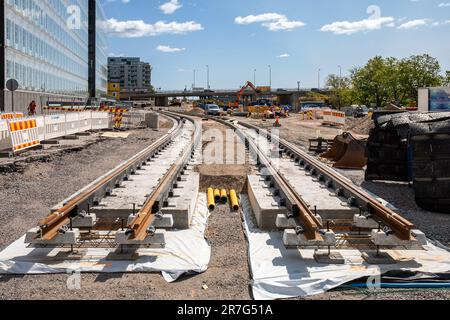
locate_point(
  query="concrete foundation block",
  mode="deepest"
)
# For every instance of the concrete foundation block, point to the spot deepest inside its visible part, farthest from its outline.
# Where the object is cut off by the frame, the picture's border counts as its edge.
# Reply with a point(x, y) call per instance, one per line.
point(325, 257)
point(292, 239)
point(364, 222)
point(152, 120)
point(380, 238)
point(265, 205)
point(85, 222)
point(157, 239)
point(164, 222)
point(68, 238)
point(381, 258)
point(283, 222)
point(182, 205)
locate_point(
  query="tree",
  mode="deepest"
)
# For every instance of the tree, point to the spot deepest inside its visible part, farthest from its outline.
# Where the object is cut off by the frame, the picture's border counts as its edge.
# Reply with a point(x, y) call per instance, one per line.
point(340, 88)
point(384, 80)
point(418, 72)
point(370, 82)
point(446, 79)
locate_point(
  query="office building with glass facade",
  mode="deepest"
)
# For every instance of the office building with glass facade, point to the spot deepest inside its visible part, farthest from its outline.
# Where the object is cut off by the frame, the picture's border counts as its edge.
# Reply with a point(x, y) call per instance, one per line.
point(46, 48)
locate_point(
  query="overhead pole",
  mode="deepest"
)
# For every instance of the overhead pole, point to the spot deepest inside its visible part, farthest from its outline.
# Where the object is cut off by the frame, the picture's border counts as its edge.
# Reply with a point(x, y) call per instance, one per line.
point(2, 56)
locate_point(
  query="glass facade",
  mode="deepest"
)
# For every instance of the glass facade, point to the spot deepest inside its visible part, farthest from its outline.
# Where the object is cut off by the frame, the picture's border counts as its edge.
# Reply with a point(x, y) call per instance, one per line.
point(101, 57)
point(46, 51)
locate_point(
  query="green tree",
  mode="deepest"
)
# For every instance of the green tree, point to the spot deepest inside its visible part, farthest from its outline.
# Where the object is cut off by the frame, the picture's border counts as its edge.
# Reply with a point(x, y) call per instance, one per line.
point(370, 82)
point(418, 72)
point(340, 88)
point(446, 79)
point(384, 80)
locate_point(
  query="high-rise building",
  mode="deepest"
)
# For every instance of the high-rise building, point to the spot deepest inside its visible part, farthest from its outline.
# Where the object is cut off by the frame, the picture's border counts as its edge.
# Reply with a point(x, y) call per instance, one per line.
point(131, 74)
point(45, 45)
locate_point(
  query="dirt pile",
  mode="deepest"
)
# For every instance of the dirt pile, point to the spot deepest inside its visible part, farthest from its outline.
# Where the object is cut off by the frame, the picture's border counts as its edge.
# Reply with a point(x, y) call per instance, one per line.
point(359, 126)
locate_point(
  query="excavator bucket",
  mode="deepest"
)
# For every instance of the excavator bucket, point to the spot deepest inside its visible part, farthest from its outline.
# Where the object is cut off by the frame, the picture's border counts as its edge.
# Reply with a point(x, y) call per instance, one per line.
point(338, 148)
point(347, 152)
point(354, 156)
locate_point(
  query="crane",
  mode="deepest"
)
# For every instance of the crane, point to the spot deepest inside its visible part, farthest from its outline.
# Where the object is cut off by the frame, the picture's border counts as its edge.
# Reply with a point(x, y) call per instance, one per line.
point(241, 92)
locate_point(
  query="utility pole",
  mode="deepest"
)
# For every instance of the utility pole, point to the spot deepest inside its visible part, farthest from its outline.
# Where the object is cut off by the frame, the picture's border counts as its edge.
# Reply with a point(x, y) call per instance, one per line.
point(193, 85)
point(254, 77)
point(298, 99)
point(270, 76)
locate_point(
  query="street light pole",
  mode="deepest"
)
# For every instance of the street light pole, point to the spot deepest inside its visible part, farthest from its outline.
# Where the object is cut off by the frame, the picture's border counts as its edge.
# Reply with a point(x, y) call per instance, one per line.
point(298, 99)
point(254, 77)
point(340, 86)
point(318, 79)
point(207, 76)
point(270, 76)
point(193, 85)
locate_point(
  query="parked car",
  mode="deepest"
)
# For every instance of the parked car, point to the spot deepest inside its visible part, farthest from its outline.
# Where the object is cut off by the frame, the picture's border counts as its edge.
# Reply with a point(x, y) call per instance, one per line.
point(361, 112)
point(212, 110)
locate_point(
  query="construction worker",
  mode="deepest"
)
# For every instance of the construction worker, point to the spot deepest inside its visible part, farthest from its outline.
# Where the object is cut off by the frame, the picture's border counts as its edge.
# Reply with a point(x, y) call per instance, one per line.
point(32, 108)
point(277, 122)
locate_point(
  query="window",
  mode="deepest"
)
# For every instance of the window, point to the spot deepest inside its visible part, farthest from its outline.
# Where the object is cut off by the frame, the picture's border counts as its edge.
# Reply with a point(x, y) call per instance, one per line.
point(9, 34)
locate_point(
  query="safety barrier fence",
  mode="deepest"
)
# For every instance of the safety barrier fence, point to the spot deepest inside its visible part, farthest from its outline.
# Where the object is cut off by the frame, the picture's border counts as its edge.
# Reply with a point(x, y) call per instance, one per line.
point(23, 133)
point(133, 119)
point(333, 118)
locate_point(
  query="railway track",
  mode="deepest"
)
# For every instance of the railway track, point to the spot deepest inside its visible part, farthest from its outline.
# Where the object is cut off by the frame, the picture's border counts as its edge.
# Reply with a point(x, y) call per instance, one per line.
point(374, 221)
point(75, 223)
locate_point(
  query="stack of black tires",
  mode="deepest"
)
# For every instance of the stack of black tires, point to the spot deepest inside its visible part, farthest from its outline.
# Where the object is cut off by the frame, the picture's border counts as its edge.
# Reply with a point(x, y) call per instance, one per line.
point(386, 152)
point(413, 147)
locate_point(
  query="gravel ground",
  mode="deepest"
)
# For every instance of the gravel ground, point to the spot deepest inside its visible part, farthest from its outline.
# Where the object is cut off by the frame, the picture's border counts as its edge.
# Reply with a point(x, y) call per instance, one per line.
point(228, 275)
point(28, 194)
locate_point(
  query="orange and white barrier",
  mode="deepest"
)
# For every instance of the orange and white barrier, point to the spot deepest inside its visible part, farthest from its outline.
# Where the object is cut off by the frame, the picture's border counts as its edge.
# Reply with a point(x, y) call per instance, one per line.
point(24, 134)
point(10, 116)
point(333, 118)
point(21, 134)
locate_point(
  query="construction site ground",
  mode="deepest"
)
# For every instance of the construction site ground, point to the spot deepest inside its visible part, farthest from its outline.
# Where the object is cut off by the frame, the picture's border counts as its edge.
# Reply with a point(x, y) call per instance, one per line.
point(38, 183)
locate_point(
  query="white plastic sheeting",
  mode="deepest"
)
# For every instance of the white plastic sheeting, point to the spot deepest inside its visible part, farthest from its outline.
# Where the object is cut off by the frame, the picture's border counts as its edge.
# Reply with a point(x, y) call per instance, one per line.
point(186, 251)
point(280, 273)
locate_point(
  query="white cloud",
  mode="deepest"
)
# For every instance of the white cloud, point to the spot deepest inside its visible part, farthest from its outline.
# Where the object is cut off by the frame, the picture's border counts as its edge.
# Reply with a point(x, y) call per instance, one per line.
point(170, 7)
point(123, 1)
point(284, 55)
point(271, 21)
point(168, 49)
point(139, 28)
point(444, 4)
point(413, 24)
point(259, 18)
point(347, 27)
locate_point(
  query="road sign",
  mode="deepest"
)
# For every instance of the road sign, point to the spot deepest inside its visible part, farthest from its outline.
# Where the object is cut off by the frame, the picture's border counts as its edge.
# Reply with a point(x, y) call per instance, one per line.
point(12, 85)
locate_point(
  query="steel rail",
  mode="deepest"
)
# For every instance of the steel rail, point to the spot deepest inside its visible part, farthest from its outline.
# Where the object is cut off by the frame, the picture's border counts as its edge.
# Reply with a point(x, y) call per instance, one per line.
point(50, 226)
point(399, 225)
point(139, 227)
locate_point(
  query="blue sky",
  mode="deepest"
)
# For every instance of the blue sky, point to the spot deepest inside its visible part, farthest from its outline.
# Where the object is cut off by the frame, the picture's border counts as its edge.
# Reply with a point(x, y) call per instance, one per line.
point(295, 37)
